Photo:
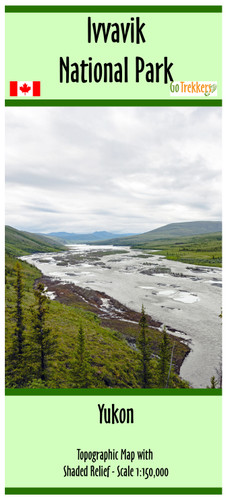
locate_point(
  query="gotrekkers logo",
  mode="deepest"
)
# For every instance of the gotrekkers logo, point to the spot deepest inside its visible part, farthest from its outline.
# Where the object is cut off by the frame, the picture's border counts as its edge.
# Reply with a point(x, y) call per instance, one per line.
point(193, 89)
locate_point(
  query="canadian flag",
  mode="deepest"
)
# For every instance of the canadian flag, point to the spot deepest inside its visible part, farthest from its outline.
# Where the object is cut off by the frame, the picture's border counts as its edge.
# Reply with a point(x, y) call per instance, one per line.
point(21, 89)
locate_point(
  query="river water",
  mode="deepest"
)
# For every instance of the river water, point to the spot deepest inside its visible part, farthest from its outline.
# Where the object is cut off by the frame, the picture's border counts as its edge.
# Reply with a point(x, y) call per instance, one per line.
point(181, 296)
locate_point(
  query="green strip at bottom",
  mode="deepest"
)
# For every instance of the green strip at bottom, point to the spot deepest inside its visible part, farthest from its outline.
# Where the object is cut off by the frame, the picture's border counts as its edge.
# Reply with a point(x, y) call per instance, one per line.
point(113, 491)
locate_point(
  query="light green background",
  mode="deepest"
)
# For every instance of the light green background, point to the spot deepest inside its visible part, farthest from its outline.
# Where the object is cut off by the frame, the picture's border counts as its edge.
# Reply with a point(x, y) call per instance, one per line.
point(43, 433)
point(35, 42)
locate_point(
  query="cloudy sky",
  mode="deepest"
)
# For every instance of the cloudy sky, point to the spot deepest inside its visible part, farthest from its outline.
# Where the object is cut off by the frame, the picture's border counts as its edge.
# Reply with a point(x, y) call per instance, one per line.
point(114, 169)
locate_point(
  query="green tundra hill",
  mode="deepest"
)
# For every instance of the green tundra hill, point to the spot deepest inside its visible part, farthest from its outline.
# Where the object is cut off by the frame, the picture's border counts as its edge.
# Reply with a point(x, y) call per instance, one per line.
point(201, 250)
point(198, 243)
point(19, 243)
point(175, 230)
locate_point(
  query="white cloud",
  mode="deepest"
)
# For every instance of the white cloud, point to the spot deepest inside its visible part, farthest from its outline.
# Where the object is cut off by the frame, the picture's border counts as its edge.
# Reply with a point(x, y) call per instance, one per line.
point(118, 169)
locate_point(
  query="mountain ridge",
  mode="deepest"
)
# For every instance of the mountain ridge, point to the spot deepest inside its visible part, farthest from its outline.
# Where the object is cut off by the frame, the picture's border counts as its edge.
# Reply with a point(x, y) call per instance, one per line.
point(96, 236)
point(173, 230)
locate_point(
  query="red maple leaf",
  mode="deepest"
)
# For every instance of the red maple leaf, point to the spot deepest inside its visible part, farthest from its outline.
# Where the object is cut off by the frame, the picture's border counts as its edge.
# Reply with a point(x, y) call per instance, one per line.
point(25, 88)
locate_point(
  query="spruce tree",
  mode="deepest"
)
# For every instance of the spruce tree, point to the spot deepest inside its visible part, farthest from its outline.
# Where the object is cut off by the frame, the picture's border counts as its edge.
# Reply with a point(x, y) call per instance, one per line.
point(44, 344)
point(81, 370)
point(219, 375)
point(164, 360)
point(16, 373)
point(144, 348)
point(213, 382)
point(19, 330)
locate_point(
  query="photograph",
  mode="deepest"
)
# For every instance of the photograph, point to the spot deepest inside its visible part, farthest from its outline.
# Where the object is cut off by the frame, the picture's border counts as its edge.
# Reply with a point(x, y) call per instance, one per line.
point(113, 244)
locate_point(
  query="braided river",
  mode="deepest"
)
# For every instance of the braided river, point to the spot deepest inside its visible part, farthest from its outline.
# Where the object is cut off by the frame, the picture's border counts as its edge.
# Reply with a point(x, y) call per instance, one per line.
point(183, 297)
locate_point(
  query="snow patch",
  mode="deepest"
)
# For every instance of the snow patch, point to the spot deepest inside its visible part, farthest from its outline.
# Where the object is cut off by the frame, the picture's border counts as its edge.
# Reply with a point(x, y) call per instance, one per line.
point(186, 298)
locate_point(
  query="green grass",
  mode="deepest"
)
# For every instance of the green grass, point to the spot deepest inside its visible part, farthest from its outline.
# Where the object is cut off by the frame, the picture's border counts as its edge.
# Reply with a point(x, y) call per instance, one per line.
point(202, 250)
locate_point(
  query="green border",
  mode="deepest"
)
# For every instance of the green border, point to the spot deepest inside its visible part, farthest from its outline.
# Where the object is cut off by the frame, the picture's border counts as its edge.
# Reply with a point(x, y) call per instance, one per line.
point(113, 392)
point(113, 491)
point(112, 102)
point(114, 8)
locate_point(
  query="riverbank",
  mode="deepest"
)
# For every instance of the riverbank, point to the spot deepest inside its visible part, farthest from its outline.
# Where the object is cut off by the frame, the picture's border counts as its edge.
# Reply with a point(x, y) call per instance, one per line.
point(116, 316)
